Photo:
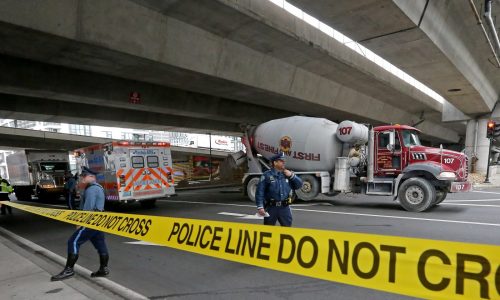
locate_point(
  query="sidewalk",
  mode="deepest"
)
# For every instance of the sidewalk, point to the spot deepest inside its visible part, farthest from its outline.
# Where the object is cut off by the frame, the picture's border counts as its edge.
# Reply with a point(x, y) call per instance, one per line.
point(494, 182)
point(26, 268)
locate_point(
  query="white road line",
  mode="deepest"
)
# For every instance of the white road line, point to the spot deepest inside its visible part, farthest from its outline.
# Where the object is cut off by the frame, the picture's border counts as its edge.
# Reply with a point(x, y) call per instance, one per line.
point(472, 200)
point(469, 204)
point(232, 214)
point(351, 214)
point(142, 243)
point(212, 203)
point(486, 192)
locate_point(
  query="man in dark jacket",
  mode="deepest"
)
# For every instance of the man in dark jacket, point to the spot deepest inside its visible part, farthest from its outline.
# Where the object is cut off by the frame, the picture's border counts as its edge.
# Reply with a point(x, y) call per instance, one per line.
point(70, 190)
point(273, 193)
point(92, 200)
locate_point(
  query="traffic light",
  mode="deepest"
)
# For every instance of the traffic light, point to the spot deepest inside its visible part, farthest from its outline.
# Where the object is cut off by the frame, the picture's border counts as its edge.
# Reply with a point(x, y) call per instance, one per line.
point(496, 132)
point(490, 130)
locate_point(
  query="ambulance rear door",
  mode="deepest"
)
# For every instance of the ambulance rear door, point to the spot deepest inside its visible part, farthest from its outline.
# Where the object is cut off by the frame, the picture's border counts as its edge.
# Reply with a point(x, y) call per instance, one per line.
point(146, 182)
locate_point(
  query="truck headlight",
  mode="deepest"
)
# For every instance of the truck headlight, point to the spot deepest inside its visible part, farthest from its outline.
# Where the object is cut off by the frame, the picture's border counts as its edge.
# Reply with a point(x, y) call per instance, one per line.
point(447, 176)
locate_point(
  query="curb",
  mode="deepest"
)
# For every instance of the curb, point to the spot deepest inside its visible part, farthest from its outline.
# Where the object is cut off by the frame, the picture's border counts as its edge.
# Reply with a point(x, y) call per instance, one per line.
point(105, 283)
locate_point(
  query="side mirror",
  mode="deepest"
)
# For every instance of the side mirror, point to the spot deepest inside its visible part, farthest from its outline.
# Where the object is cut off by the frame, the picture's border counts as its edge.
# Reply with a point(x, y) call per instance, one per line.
point(392, 141)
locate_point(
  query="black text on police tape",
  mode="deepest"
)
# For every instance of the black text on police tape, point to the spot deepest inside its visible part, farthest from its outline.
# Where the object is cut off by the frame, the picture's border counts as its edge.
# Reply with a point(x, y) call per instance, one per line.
point(132, 225)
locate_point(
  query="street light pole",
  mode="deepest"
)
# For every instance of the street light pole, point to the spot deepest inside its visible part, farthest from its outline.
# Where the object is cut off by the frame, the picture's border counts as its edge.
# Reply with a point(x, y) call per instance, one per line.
point(210, 157)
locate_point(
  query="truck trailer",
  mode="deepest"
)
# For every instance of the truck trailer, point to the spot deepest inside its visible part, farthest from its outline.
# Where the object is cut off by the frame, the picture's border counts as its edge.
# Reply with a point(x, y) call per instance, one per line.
point(390, 161)
point(130, 171)
point(38, 173)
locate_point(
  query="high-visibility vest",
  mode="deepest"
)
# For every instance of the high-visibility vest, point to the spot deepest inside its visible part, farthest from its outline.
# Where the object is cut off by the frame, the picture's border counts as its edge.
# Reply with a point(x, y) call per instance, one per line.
point(5, 187)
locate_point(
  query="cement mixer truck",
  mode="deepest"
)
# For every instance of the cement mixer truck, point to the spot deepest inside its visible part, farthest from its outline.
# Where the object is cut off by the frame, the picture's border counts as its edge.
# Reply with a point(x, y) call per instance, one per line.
point(388, 160)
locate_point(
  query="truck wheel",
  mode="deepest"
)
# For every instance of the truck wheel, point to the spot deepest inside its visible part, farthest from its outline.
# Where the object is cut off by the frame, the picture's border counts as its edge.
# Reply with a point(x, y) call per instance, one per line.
point(252, 188)
point(416, 194)
point(148, 203)
point(440, 196)
point(310, 188)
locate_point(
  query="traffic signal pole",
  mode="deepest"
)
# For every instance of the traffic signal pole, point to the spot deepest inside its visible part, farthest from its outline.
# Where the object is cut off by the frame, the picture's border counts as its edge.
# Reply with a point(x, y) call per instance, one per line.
point(487, 179)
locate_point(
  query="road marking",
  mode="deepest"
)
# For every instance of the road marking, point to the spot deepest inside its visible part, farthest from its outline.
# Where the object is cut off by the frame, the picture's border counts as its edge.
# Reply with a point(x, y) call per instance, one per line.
point(232, 214)
point(252, 217)
point(468, 204)
point(241, 216)
point(486, 192)
point(142, 243)
point(351, 214)
point(472, 200)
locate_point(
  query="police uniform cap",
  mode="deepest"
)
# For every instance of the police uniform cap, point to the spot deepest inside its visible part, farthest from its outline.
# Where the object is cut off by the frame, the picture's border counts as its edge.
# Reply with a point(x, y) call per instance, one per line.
point(279, 156)
point(86, 171)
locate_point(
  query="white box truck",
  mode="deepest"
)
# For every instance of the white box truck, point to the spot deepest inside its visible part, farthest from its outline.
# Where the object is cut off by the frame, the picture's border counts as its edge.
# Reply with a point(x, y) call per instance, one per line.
point(38, 173)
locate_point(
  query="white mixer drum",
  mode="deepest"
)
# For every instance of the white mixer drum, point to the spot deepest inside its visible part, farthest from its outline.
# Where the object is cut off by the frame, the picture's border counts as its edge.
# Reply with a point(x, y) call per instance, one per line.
point(352, 133)
point(310, 144)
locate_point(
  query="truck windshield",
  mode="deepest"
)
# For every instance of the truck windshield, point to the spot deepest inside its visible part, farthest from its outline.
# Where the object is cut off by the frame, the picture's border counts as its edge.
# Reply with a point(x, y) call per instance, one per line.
point(410, 138)
point(51, 167)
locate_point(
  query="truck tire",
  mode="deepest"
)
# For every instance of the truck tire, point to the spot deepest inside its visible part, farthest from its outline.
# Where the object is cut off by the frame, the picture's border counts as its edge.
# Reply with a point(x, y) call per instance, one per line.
point(252, 187)
point(310, 188)
point(440, 196)
point(416, 194)
point(148, 203)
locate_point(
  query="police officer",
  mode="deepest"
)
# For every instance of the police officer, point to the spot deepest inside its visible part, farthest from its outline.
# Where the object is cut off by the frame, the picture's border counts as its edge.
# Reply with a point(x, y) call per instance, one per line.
point(273, 193)
point(92, 200)
point(5, 190)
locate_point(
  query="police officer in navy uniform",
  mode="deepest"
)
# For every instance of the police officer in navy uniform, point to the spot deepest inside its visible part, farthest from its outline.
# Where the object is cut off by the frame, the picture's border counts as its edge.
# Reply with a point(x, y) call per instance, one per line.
point(92, 200)
point(274, 191)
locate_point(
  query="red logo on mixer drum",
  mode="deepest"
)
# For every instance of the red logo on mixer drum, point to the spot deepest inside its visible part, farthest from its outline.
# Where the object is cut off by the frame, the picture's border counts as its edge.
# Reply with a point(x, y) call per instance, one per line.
point(285, 143)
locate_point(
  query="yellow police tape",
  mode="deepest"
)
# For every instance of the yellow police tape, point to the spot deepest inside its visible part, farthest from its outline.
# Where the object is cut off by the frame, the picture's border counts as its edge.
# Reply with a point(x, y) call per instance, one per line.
point(409, 266)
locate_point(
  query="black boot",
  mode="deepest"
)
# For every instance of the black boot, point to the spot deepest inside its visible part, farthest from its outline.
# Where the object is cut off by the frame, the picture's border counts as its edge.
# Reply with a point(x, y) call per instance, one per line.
point(103, 269)
point(68, 270)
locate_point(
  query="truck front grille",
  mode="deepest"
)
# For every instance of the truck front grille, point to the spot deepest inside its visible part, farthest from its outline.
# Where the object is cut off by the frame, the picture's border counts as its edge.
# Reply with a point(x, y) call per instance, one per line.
point(59, 180)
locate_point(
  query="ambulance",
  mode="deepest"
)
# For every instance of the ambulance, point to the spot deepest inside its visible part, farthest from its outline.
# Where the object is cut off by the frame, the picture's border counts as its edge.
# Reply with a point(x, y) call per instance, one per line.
point(130, 171)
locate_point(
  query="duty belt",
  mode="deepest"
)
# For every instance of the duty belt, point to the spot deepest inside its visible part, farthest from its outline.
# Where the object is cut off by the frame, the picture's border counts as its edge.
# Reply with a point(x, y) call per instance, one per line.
point(273, 202)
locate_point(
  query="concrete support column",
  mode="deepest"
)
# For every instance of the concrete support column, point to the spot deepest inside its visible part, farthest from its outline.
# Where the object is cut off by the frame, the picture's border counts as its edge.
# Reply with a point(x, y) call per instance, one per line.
point(470, 140)
point(483, 145)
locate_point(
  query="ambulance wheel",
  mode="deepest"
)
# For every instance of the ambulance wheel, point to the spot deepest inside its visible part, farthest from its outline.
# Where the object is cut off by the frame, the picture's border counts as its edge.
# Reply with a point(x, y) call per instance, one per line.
point(148, 203)
point(440, 196)
point(252, 187)
point(310, 188)
point(416, 194)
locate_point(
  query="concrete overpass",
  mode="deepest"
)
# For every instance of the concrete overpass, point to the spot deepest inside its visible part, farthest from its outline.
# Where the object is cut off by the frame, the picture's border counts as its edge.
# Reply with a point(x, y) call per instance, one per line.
point(197, 64)
point(11, 138)
point(438, 42)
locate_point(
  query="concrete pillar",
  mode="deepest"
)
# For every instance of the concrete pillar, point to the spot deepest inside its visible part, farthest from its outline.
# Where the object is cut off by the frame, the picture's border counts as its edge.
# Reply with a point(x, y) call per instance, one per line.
point(470, 140)
point(483, 146)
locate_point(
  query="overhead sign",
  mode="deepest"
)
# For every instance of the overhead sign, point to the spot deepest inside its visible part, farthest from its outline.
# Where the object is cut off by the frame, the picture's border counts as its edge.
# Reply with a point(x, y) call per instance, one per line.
point(422, 268)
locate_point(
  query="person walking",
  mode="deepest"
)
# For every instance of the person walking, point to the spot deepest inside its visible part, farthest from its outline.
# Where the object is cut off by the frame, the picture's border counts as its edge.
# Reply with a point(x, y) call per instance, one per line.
point(92, 200)
point(5, 190)
point(274, 192)
point(70, 190)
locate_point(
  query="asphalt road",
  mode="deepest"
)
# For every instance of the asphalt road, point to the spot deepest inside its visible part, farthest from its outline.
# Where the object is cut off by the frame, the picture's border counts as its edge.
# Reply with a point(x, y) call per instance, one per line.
point(160, 272)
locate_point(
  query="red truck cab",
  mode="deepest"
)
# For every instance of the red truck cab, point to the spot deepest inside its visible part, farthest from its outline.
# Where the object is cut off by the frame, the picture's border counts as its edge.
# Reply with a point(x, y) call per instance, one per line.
point(399, 153)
